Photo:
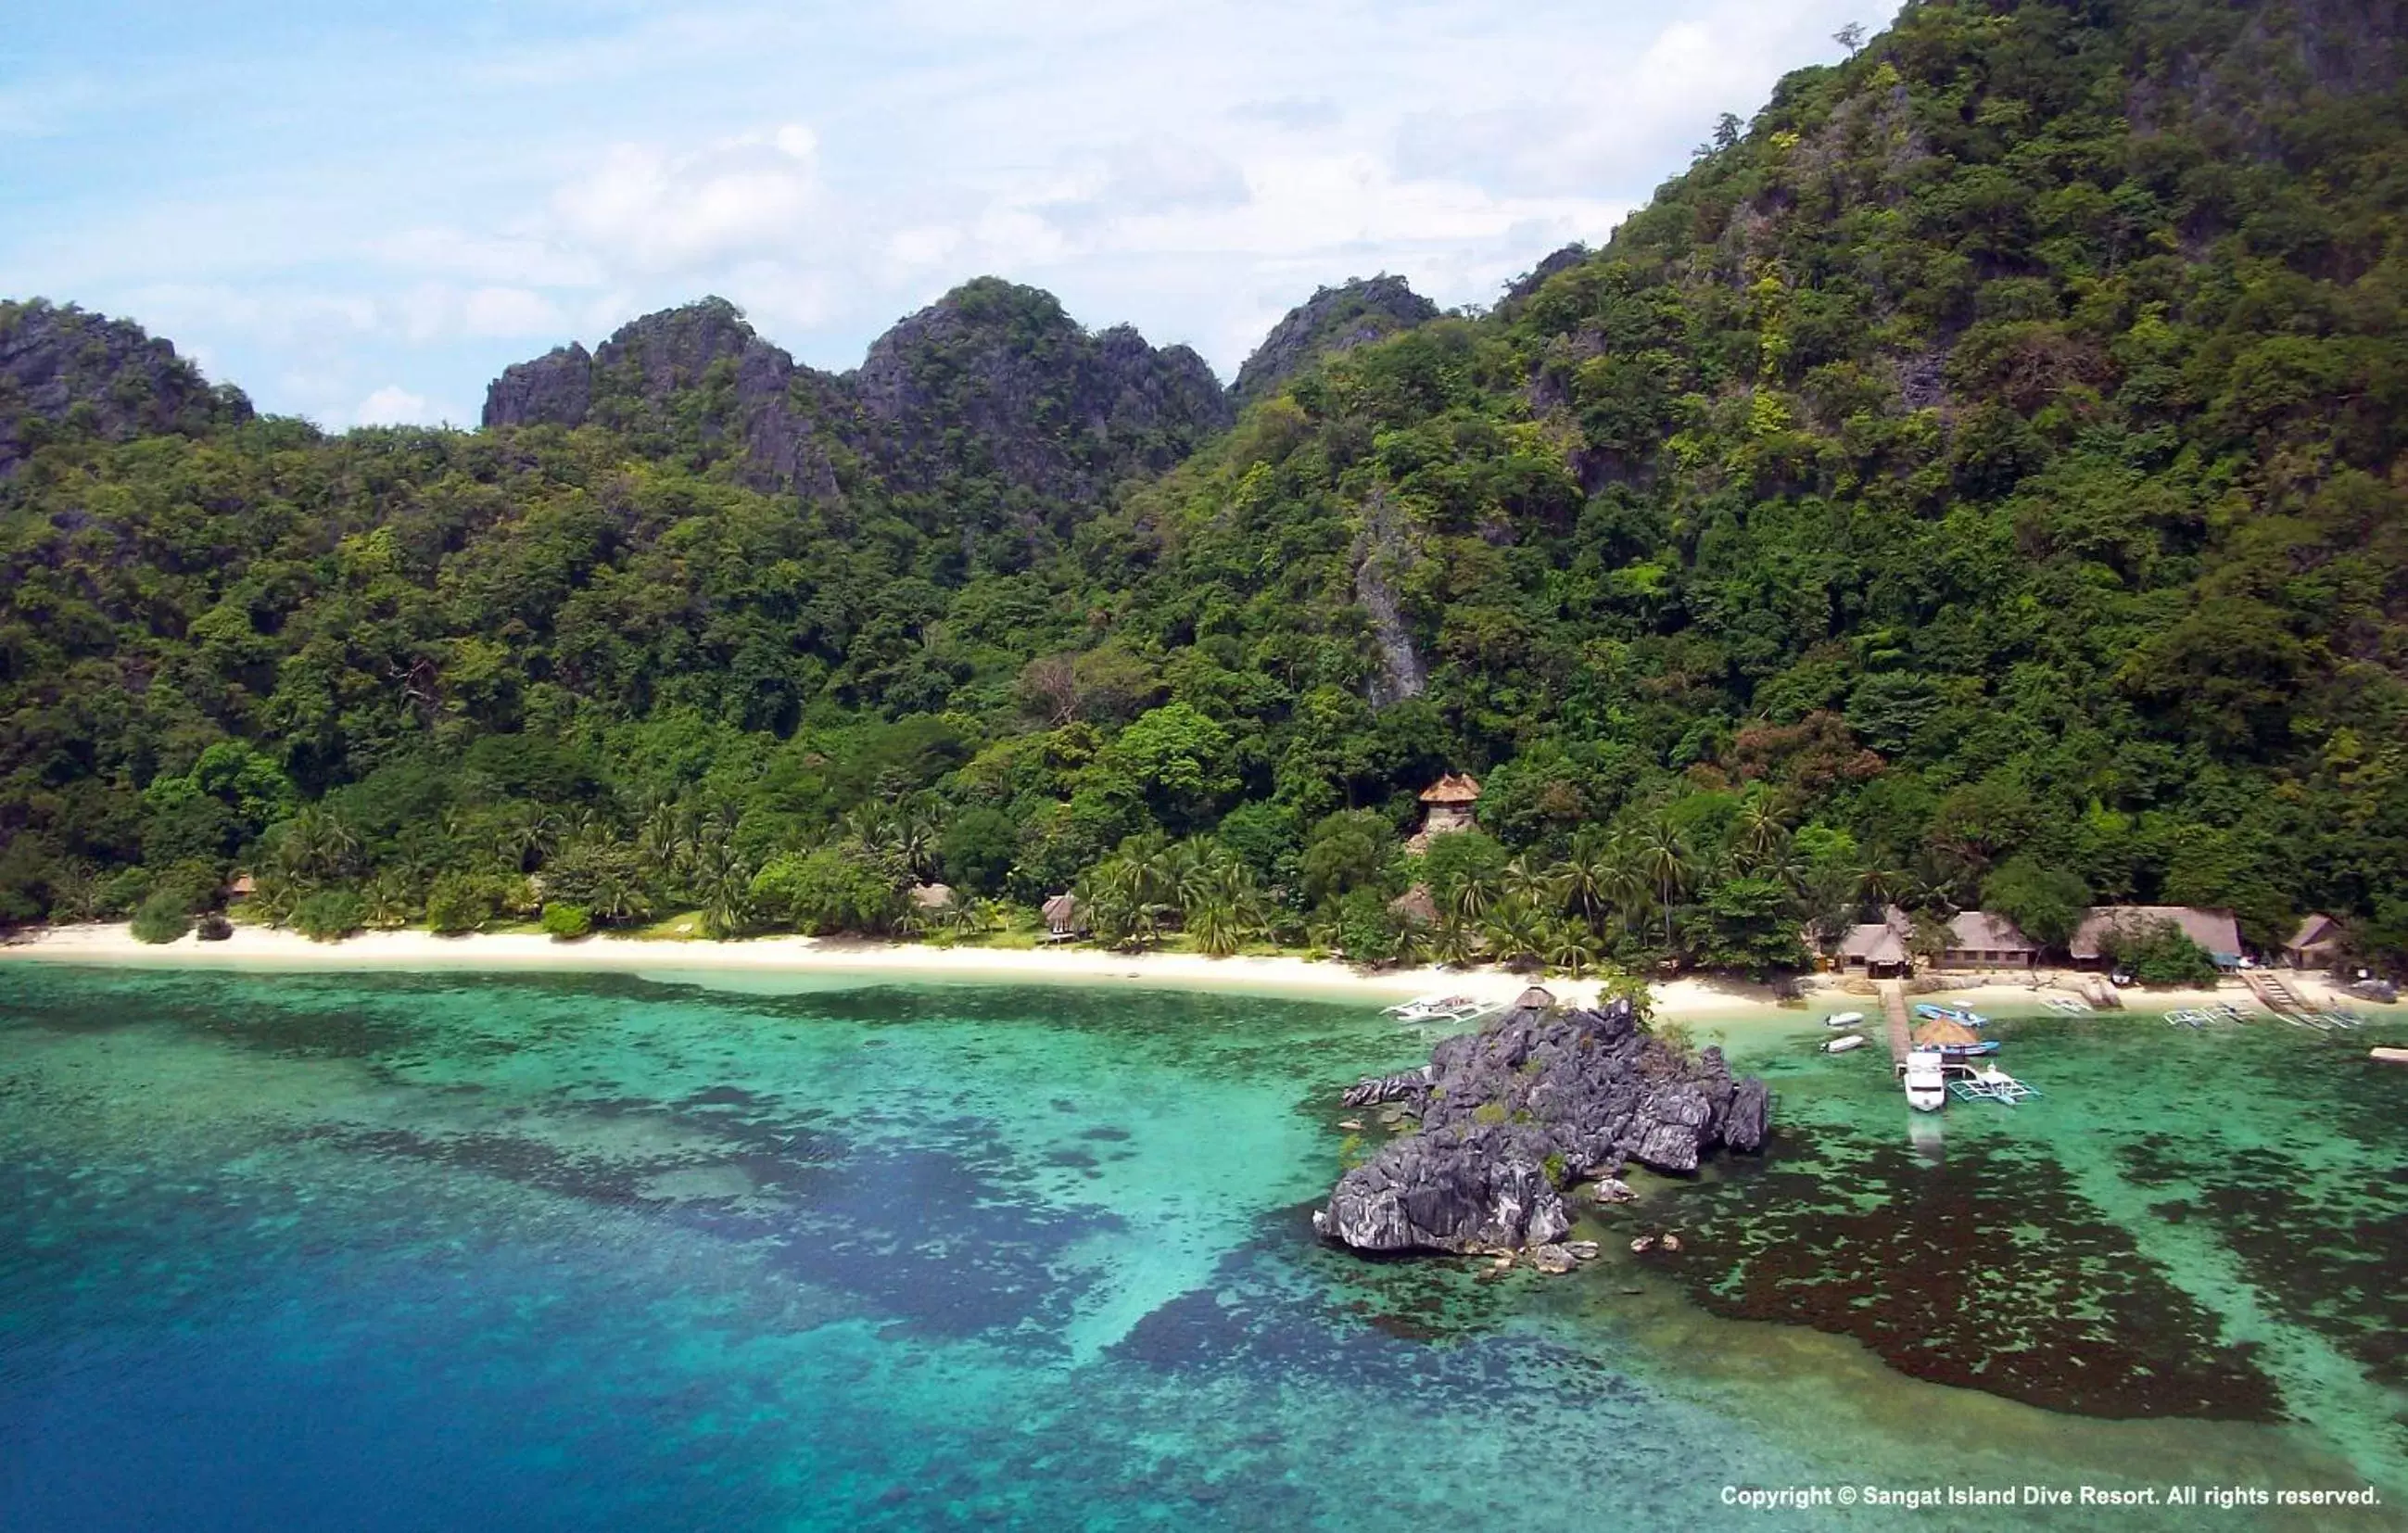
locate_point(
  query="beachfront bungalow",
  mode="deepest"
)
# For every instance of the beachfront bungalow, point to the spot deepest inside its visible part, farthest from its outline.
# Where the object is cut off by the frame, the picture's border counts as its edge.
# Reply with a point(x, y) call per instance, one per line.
point(2315, 945)
point(2214, 930)
point(1446, 805)
point(1978, 939)
point(1066, 919)
point(1878, 949)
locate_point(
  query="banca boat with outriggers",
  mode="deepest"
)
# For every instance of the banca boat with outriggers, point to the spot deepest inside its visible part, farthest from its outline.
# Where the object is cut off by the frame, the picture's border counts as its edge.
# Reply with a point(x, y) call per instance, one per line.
point(1446, 1007)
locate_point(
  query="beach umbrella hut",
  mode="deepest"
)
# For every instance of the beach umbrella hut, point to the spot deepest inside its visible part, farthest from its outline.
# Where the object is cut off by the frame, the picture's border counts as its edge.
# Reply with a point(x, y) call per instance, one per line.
point(1536, 998)
point(1945, 1035)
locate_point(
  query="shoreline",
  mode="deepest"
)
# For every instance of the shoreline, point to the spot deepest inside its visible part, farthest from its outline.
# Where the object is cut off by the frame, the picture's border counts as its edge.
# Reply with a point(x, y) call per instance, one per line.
point(270, 949)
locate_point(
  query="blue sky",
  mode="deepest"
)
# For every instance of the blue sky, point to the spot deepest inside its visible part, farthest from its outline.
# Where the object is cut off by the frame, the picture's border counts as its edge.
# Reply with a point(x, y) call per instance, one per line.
point(362, 215)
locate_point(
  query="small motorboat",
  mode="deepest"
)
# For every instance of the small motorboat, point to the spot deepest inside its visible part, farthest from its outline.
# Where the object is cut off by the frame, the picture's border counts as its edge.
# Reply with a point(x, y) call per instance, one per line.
point(1962, 1015)
point(1927, 1082)
point(1843, 1043)
point(1843, 1019)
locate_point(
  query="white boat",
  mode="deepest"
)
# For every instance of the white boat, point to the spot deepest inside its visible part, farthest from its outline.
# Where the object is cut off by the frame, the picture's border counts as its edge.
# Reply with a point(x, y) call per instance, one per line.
point(1845, 1042)
point(1843, 1019)
point(1439, 1008)
point(1927, 1082)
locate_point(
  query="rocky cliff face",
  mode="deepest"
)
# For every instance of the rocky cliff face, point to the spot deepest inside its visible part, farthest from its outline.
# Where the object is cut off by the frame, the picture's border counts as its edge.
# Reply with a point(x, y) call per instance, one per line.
point(993, 386)
point(695, 381)
point(1333, 320)
point(64, 371)
point(1511, 1115)
point(1001, 371)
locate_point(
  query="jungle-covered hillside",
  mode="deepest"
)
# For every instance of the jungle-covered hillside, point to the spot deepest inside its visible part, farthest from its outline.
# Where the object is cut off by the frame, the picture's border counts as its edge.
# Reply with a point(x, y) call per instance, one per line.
point(1977, 479)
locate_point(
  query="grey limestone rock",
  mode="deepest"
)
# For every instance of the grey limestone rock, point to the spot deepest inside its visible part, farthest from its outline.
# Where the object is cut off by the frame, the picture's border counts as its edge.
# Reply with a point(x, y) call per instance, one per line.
point(1534, 1101)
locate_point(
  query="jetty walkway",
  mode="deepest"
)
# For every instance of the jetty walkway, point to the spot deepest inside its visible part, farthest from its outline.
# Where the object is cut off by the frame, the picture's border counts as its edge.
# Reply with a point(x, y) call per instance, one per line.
point(1893, 999)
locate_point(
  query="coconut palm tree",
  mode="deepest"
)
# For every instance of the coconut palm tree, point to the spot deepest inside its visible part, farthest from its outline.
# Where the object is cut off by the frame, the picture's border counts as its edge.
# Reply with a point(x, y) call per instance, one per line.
point(389, 900)
point(1216, 927)
point(1472, 897)
point(1517, 934)
point(1763, 831)
point(1571, 946)
point(1665, 859)
point(1527, 882)
point(1586, 876)
point(1456, 942)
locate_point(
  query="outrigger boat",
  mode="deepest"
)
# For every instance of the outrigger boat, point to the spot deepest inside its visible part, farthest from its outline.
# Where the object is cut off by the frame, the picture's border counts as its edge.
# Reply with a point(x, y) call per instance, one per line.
point(1439, 1008)
point(2072, 1006)
point(1990, 1084)
point(1964, 1016)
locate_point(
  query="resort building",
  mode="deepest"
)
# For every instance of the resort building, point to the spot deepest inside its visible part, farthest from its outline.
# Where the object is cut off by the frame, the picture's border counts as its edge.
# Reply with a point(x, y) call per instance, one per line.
point(1877, 948)
point(2315, 945)
point(2214, 930)
point(1065, 918)
point(1978, 939)
point(1446, 805)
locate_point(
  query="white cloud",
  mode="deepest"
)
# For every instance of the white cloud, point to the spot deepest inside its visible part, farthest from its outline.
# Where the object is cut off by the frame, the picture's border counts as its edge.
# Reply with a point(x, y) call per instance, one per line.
point(665, 211)
point(393, 406)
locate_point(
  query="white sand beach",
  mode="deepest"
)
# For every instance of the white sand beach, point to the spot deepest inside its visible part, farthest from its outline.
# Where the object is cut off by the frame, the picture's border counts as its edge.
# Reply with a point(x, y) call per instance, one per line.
point(839, 961)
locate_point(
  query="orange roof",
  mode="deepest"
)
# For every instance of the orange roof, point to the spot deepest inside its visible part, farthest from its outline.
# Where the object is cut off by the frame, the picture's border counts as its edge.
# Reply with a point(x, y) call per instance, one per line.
point(1452, 789)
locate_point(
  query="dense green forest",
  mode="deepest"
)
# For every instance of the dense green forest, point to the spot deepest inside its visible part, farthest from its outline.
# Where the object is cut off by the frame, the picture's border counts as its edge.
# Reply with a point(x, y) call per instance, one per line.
point(1978, 478)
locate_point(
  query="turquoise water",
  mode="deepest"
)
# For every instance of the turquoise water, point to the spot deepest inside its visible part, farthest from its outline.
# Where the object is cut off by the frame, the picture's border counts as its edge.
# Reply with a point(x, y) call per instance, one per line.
point(389, 1250)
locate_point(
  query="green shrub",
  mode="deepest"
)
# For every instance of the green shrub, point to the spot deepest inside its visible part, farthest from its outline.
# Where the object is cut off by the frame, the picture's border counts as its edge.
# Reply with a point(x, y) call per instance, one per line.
point(329, 915)
point(461, 902)
point(214, 927)
point(2160, 954)
point(567, 923)
point(163, 918)
point(1488, 1115)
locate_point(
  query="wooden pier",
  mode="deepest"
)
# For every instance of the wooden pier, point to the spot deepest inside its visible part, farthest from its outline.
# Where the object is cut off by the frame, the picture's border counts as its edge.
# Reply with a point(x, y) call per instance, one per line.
point(1893, 999)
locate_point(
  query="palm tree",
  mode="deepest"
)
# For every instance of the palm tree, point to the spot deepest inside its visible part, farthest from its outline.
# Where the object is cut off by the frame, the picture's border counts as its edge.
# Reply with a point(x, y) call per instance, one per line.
point(1571, 946)
point(1664, 858)
point(1532, 885)
point(1586, 876)
point(1214, 927)
point(1456, 943)
point(1516, 932)
point(1763, 832)
point(1472, 897)
point(526, 837)
point(389, 900)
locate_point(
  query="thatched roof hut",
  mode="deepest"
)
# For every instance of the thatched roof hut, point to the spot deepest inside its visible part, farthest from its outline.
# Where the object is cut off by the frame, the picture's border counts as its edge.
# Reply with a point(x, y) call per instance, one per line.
point(1415, 905)
point(1536, 998)
point(1945, 1035)
point(1065, 916)
point(1453, 788)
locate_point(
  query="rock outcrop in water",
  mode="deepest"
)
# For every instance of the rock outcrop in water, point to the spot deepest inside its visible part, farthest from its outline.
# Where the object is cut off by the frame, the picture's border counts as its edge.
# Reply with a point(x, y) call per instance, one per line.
point(1513, 1114)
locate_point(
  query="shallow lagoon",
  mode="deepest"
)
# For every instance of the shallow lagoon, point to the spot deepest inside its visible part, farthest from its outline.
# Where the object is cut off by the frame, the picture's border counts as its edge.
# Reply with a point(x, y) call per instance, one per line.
point(370, 1250)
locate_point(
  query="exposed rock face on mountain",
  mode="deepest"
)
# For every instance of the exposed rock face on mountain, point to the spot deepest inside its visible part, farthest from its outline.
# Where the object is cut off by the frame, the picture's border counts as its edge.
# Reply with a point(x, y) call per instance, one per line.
point(696, 381)
point(995, 380)
point(1511, 1115)
point(1536, 278)
point(66, 371)
point(993, 386)
point(1333, 320)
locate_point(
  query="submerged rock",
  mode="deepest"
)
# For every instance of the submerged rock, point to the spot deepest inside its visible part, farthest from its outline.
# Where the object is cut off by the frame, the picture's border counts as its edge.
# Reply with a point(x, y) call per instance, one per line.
point(1512, 1114)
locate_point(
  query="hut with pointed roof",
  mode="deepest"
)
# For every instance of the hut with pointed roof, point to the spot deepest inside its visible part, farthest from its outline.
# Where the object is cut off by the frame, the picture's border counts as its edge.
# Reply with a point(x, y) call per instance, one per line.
point(2316, 944)
point(1065, 918)
point(1446, 805)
